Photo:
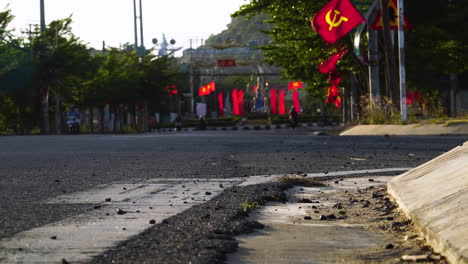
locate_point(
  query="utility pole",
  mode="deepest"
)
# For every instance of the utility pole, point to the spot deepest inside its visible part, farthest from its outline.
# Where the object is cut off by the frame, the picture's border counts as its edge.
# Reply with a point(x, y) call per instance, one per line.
point(390, 76)
point(141, 26)
point(192, 99)
point(401, 54)
point(135, 24)
point(44, 90)
point(374, 83)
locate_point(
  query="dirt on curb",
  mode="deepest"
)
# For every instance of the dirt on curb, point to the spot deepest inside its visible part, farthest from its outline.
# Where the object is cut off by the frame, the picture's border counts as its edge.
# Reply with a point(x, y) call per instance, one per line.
point(373, 209)
point(202, 234)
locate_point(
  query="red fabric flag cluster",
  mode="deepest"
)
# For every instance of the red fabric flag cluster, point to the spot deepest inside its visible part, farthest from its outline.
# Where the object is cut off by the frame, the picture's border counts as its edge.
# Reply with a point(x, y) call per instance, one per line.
point(207, 89)
point(226, 63)
point(171, 90)
point(336, 19)
point(333, 96)
point(329, 67)
point(221, 104)
point(295, 85)
point(273, 103)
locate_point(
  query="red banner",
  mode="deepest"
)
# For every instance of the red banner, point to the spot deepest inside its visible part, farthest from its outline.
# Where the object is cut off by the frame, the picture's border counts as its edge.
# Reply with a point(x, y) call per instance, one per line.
point(296, 101)
point(240, 102)
point(226, 63)
point(273, 103)
point(281, 106)
point(235, 102)
point(221, 104)
point(336, 19)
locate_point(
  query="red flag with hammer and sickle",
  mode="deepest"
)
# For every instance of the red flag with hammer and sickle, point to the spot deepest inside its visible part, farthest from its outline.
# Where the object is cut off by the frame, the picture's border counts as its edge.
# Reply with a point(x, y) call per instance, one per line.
point(336, 19)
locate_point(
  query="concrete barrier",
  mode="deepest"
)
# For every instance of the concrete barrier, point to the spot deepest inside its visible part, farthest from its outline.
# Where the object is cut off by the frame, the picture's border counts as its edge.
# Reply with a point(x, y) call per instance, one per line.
point(413, 129)
point(435, 197)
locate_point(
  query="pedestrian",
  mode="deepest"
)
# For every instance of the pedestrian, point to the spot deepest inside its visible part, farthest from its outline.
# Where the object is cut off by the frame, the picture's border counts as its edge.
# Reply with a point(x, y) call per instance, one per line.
point(293, 117)
point(202, 123)
point(178, 123)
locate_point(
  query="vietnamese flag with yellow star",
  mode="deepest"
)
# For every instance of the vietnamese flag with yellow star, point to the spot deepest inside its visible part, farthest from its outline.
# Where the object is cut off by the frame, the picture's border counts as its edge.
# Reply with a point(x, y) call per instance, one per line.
point(336, 19)
point(294, 85)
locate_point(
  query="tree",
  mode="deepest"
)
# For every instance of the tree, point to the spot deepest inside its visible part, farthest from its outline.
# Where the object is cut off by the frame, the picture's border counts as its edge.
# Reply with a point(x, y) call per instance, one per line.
point(436, 44)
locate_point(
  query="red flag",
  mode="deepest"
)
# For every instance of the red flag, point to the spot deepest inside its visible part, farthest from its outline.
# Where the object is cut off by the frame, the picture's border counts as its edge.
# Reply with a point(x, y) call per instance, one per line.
point(221, 104)
point(330, 64)
point(255, 88)
point(240, 102)
point(337, 102)
point(412, 97)
point(171, 90)
point(273, 105)
point(235, 102)
point(295, 85)
point(211, 87)
point(203, 91)
point(281, 107)
point(334, 78)
point(336, 19)
point(296, 101)
point(393, 9)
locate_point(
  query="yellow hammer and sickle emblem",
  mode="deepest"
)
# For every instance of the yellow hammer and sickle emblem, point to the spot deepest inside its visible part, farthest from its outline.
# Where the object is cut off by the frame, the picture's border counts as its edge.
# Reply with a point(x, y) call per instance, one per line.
point(333, 22)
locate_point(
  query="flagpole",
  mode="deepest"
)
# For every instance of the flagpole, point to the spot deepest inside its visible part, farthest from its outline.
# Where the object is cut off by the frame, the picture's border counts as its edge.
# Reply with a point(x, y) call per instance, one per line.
point(401, 54)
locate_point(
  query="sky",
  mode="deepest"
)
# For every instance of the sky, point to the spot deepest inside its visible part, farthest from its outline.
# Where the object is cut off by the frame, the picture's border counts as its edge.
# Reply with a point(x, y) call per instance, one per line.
point(95, 21)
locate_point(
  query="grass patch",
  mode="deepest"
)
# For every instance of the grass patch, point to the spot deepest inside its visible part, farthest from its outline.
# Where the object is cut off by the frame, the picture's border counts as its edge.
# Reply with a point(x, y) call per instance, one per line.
point(301, 181)
point(246, 206)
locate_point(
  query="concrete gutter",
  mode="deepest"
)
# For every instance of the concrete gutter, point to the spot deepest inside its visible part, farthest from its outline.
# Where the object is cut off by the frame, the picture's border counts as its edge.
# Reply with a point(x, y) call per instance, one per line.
point(413, 129)
point(435, 197)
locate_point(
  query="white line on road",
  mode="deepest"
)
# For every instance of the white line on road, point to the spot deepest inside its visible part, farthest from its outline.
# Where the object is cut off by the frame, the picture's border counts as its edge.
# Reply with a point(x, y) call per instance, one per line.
point(79, 238)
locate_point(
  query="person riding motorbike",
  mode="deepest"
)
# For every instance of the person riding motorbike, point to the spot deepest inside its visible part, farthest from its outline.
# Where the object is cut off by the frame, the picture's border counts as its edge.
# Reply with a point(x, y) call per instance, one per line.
point(73, 119)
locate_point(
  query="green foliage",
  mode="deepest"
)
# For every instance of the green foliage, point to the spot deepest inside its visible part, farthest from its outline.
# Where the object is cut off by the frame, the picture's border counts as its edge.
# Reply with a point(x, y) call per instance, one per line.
point(435, 47)
point(249, 30)
point(58, 62)
point(295, 46)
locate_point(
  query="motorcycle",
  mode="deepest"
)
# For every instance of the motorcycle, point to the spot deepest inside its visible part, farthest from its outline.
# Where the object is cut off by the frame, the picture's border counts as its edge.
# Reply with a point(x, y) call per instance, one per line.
point(73, 124)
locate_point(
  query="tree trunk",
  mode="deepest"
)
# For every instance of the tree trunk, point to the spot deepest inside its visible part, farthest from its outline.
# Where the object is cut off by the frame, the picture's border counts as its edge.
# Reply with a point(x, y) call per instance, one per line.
point(101, 123)
point(58, 119)
point(91, 117)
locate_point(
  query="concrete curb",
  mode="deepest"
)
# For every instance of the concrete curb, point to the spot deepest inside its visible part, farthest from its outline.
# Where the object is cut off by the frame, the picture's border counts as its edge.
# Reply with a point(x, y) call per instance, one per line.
point(412, 129)
point(434, 196)
point(250, 127)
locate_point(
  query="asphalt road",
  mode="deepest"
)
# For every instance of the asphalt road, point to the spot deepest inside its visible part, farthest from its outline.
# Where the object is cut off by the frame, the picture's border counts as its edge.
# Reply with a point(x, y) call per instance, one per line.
point(37, 168)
